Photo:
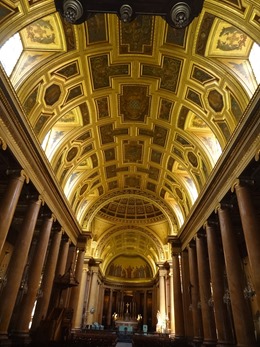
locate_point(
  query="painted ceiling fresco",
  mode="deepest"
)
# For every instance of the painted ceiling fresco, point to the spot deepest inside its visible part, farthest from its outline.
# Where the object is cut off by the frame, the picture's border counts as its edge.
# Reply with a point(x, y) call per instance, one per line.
point(133, 116)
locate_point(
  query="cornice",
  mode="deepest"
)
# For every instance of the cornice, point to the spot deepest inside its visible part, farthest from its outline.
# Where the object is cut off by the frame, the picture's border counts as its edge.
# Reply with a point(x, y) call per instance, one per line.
point(19, 137)
point(108, 283)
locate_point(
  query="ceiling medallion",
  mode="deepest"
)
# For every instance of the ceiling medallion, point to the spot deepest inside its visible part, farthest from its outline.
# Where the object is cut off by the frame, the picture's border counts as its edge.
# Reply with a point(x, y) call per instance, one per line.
point(177, 14)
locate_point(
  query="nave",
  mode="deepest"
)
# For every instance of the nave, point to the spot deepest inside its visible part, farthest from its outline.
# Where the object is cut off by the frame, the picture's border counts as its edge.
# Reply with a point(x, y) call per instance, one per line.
point(130, 179)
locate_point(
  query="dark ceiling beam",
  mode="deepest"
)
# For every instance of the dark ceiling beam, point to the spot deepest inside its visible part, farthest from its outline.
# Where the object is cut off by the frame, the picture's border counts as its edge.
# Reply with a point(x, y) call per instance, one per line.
point(177, 14)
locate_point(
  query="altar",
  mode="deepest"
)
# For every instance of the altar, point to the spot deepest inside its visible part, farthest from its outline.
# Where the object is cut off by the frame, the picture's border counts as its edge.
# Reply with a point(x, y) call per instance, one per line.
point(126, 326)
point(126, 323)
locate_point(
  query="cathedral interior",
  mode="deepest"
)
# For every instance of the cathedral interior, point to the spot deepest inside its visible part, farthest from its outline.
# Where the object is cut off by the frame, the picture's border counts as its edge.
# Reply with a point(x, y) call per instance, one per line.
point(128, 145)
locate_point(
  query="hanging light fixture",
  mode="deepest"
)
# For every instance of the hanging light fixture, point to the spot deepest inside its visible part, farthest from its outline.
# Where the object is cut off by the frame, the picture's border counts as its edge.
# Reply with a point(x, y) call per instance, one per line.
point(178, 14)
point(126, 13)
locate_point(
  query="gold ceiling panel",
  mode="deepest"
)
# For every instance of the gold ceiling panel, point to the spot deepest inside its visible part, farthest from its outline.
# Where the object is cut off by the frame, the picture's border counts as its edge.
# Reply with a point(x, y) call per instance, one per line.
point(137, 37)
point(133, 116)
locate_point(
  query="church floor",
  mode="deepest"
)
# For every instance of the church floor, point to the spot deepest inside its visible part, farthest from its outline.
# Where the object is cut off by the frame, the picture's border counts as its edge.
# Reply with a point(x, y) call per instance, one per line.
point(103, 339)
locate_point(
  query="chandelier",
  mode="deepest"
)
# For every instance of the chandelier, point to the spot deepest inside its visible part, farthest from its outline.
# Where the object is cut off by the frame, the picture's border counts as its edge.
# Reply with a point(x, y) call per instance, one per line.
point(178, 14)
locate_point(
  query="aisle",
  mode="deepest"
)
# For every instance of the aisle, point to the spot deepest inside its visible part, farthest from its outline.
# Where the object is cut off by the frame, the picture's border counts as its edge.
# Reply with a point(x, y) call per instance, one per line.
point(124, 344)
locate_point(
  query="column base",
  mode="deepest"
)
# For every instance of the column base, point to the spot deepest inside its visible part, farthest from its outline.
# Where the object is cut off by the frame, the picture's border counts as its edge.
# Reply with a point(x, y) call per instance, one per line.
point(76, 330)
point(197, 342)
point(209, 344)
point(4, 340)
point(21, 339)
point(179, 337)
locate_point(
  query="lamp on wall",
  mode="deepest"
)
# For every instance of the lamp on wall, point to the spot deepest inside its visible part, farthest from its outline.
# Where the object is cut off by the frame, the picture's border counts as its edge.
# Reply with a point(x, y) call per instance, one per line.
point(178, 14)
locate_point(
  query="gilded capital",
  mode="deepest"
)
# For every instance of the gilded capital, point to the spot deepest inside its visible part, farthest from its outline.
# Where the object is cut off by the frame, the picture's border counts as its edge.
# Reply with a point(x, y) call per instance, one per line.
point(3, 144)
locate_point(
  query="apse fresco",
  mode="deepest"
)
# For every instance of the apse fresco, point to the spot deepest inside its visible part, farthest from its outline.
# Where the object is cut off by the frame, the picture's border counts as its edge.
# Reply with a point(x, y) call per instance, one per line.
point(129, 268)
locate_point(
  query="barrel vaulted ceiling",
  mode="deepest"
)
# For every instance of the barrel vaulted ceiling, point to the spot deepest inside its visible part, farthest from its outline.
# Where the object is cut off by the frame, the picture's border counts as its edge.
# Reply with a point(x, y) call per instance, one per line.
point(133, 116)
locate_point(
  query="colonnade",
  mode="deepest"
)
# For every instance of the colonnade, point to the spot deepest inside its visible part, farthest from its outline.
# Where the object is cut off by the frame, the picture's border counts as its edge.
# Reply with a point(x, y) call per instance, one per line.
point(38, 261)
point(216, 276)
point(204, 292)
point(210, 291)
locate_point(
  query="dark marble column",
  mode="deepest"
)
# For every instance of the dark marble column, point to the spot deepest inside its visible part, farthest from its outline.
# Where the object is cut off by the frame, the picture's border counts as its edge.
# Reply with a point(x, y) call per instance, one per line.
point(63, 256)
point(70, 265)
point(109, 315)
point(79, 320)
point(92, 304)
point(74, 295)
point(217, 267)
point(162, 297)
point(17, 265)
point(34, 275)
point(145, 308)
point(186, 295)
point(250, 224)
point(208, 319)
point(59, 271)
point(177, 294)
point(243, 322)
point(195, 298)
point(8, 205)
point(47, 280)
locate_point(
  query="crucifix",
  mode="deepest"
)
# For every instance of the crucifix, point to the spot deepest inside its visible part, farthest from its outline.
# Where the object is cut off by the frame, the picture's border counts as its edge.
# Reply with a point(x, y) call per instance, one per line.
point(127, 305)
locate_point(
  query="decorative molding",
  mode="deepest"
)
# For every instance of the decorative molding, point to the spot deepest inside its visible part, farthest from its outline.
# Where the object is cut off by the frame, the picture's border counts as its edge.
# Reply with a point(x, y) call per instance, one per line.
point(23, 143)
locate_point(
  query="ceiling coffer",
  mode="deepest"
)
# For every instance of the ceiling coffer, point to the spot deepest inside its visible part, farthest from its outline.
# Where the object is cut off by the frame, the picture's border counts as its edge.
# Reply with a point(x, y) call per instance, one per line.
point(177, 14)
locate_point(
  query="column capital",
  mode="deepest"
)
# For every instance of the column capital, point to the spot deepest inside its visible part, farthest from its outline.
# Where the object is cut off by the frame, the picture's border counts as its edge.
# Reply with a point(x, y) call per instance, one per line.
point(54, 217)
point(162, 271)
point(175, 245)
point(192, 243)
point(82, 240)
point(242, 181)
point(162, 264)
point(223, 205)
point(56, 229)
point(3, 144)
point(210, 223)
point(47, 214)
point(18, 173)
point(65, 238)
point(35, 197)
point(93, 262)
point(201, 234)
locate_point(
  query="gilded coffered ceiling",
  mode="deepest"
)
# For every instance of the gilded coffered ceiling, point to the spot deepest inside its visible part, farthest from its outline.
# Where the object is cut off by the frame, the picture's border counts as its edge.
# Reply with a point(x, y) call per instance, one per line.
point(133, 116)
